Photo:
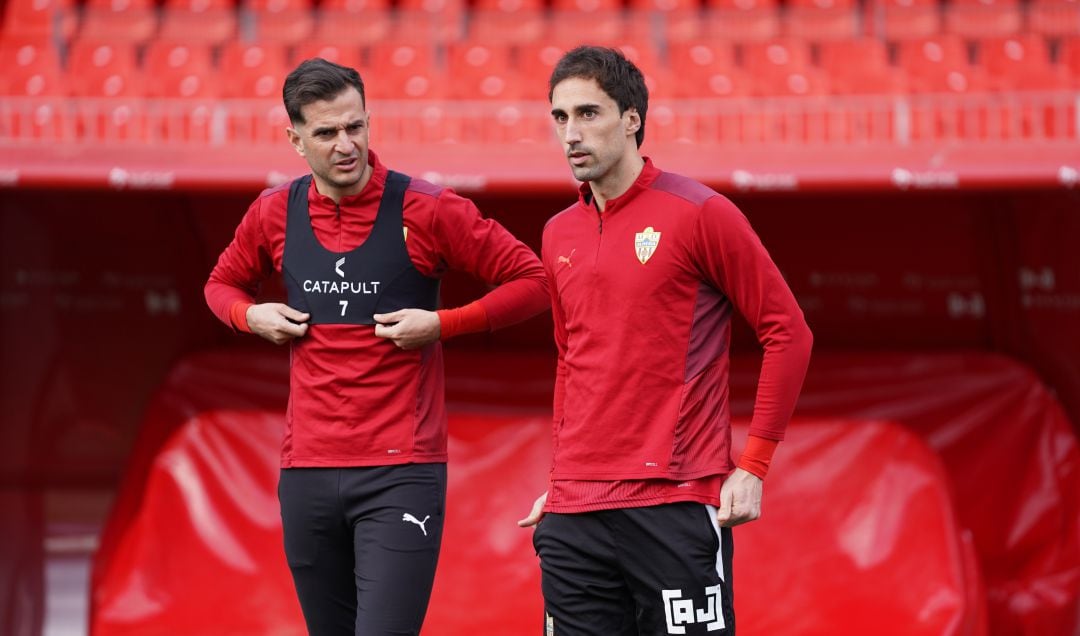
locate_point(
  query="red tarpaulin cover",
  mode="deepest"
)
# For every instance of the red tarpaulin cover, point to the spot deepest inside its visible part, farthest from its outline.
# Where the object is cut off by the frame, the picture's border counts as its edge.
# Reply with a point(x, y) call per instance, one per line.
point(1011, 455)
point(859, 532)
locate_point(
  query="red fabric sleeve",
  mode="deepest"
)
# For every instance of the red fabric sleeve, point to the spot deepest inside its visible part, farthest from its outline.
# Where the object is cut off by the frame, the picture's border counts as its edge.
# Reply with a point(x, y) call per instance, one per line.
point(732, 257)
point(468, 242)
point(757, 455)
point(470, 318)
point(240, 269)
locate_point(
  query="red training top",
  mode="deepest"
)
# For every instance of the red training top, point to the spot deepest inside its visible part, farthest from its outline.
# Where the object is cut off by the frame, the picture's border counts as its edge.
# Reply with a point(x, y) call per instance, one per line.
point(642, 296)
point(356, 399)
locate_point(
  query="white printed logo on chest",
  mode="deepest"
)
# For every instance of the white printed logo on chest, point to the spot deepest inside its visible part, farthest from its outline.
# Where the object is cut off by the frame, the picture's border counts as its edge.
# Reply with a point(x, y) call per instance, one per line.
point(645, 243)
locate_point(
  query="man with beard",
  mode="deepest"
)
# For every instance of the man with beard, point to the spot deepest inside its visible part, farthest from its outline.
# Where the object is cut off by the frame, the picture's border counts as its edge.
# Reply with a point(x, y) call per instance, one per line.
point(645, 271)
point(361, 249)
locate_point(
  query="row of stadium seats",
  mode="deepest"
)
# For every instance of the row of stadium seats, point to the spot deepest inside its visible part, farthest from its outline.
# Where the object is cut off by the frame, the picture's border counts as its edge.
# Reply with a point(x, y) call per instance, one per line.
point(944, 64)
point(370, 21)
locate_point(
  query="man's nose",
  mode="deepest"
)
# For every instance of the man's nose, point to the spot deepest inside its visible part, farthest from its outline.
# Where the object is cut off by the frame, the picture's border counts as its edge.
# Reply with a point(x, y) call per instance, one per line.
point(571, 133)
point(343, 143)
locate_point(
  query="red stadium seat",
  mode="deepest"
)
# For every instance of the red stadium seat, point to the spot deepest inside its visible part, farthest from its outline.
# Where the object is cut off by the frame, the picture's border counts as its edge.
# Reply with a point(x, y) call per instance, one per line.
point(198, 21)
point(938, 64)
point(119, 20)
point(182, 76)
point(1070, 58)
point(859, 67)
point(40, 18)
point(32, 86)
point(1054, 17)
point(690, 57)
point(706, 68)
point(481, 71)
point(400, 70)
point(902, 19)
point(101, 73)
point(585, 21)
point(252, 75)
point(741, 20)
point(778, 57)
point(31, 68)
point(794, 83)
point(353, 21)
point(663, 6)
point(537, 60)
point(507, 21)
point(180, 70)
point(333, 51)
point(438, 21)
point(282, 21)
point(717, 82)
point(677, 20)
point(1020, 63)
point(983, 18)
point(103, 69)
point(253, 70)
point(822, 19)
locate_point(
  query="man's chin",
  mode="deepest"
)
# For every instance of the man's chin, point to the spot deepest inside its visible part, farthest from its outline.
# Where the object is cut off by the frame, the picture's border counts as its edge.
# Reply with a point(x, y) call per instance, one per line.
point(347, 180)
point(582, 174)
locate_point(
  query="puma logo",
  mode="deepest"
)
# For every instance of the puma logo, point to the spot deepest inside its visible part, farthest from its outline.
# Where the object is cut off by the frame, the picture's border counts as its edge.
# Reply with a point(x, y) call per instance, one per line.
point(565, 260)
point(411, 519)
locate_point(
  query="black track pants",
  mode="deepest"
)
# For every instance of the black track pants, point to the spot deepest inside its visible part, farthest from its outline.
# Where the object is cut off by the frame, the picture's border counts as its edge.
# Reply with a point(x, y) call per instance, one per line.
point(362, 544)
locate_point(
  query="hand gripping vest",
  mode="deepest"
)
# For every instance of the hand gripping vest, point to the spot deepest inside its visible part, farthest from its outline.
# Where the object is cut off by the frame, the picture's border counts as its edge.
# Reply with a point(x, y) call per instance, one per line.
point(347, 288)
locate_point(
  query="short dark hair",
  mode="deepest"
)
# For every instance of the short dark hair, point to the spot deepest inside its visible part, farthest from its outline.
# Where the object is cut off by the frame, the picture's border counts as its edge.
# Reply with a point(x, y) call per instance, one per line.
point(316, 80)
point(616, 75)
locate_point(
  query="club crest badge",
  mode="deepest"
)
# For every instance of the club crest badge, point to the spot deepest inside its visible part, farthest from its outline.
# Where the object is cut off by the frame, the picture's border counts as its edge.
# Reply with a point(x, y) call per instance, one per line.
point(645, 243)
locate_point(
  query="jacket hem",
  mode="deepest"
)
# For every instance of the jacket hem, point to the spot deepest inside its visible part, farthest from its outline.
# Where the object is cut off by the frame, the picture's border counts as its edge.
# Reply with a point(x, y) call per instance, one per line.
point(348, 462)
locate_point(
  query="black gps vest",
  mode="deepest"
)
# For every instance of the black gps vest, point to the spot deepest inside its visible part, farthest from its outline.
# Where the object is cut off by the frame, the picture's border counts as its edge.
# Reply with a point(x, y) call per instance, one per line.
point(347, 288)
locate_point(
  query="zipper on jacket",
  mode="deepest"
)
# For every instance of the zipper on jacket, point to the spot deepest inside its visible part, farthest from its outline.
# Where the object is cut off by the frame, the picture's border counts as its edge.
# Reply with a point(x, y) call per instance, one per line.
point(340, 229)
point(599, 239)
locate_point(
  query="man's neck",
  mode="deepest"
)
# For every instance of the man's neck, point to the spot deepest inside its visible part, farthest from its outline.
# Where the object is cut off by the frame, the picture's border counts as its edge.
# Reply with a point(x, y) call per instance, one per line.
point(617, 182)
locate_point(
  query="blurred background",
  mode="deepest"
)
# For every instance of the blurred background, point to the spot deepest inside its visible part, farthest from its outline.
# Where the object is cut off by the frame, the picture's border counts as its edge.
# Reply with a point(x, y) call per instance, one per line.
point(912, 165)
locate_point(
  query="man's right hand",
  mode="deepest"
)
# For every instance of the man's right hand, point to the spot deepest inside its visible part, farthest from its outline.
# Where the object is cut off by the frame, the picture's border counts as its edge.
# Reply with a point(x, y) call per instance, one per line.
point(536, 513)
point(276, 322)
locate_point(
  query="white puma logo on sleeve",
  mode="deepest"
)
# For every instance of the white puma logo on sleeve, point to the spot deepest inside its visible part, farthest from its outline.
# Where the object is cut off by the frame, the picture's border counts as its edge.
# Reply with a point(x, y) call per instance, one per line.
point(411, 519)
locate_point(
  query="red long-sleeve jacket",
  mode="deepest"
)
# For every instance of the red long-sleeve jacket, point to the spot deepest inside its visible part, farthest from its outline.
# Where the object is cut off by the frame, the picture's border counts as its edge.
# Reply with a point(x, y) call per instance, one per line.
point(643, 295)
point(356, 399)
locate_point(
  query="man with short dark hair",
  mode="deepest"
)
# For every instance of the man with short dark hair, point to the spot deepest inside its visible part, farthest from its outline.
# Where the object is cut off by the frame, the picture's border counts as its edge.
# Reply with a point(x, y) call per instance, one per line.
point(645, 272)
point(361, 249)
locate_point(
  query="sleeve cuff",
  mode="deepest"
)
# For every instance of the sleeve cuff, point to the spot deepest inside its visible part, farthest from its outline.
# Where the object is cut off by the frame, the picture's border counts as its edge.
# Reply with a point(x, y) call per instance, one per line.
point(471, 318)
point(238, 315)
point(757, 455)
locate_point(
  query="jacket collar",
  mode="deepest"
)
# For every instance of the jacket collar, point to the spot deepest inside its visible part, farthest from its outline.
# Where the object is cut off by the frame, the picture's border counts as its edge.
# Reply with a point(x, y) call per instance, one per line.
point(649, 173)
point(372, 190)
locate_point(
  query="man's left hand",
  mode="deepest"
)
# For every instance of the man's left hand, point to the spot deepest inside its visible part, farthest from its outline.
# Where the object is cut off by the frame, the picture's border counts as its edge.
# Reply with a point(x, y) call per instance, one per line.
point(740, 499)
point(409, 328)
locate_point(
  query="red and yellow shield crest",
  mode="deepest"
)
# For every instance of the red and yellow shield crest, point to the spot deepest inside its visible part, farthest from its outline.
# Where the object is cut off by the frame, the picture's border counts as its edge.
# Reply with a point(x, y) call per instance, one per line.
point(645, 243)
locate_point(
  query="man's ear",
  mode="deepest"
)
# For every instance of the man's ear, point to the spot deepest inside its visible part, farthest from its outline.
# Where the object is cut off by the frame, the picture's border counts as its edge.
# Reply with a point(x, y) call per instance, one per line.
point(295, 140)
point(633, 121)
